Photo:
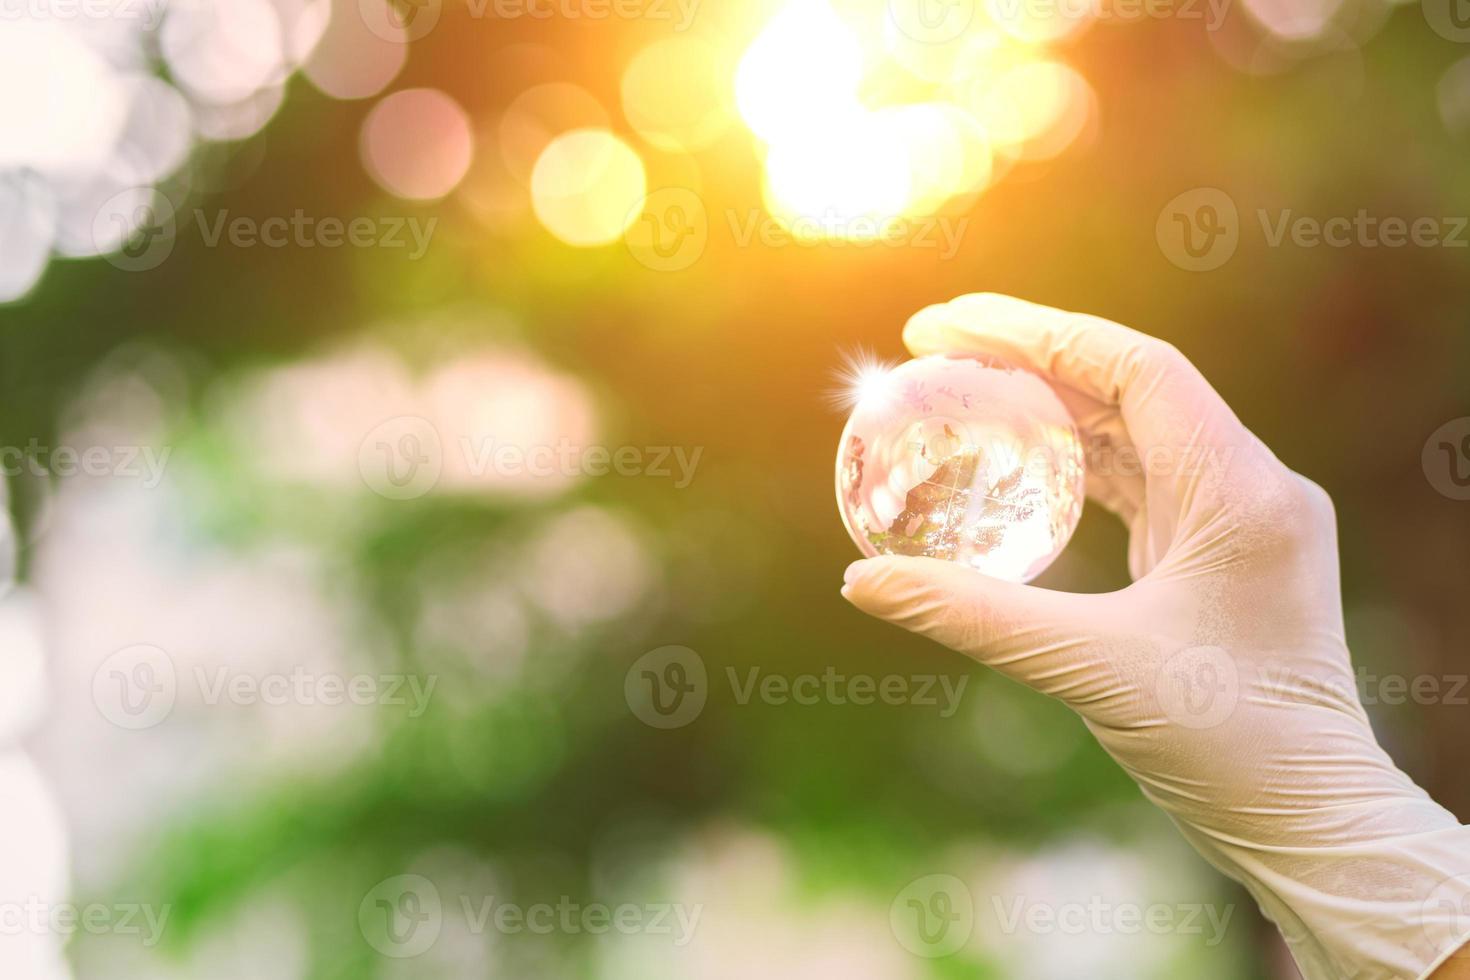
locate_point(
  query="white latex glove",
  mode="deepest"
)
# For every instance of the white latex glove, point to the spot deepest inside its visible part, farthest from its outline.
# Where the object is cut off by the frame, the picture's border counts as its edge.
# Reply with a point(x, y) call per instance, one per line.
point(1220, 679)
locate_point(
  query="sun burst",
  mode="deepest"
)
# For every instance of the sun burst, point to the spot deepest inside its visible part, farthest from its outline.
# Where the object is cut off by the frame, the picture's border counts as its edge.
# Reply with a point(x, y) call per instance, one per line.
point(862, 376)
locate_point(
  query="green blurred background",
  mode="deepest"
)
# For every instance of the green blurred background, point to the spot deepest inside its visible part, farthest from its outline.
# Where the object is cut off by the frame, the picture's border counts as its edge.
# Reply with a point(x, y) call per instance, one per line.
point(794, 828)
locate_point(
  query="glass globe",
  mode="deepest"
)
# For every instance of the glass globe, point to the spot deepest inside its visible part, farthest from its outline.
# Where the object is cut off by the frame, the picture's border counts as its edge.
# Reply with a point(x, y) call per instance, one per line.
point(961, 458)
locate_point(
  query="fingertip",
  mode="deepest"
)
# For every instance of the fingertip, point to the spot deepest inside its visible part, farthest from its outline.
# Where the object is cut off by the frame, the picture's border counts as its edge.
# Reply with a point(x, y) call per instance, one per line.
point(859, 574)
point(974, 322)
point(887, 579)
point(996, 303)
point(860, 577)
point(921, 334)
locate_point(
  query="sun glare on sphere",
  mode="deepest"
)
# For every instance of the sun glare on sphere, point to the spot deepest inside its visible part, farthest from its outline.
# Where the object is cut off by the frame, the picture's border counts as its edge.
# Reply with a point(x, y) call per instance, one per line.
point(862, 377)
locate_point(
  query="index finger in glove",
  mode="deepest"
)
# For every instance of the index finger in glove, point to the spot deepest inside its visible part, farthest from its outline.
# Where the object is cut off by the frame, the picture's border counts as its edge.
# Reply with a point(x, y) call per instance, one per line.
point(1164, 401)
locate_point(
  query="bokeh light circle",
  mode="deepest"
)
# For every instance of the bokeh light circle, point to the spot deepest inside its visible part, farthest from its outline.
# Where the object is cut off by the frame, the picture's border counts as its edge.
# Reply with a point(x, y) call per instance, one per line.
point(223, 52)
point(417, 144)
point(351, 60)
point(27, 229)
point(1293, 20)
point(239, 120)
point(157, 134)
point(586, 187)
point(675, 94)
point(1454, 97)
point(1035, 109)
point(538, 115)
point(69, 123)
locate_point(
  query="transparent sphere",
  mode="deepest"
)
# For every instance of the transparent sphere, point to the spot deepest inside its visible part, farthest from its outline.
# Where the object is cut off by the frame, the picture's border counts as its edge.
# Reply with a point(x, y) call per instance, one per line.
point(961, 458)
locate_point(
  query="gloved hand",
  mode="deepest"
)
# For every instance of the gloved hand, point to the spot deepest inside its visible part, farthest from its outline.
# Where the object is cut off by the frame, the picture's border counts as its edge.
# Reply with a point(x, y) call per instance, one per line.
point(1220, 679)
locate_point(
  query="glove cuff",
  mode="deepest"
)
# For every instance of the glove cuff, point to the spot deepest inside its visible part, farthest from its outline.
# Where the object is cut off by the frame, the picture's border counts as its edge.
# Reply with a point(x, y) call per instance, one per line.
point(1391, 908)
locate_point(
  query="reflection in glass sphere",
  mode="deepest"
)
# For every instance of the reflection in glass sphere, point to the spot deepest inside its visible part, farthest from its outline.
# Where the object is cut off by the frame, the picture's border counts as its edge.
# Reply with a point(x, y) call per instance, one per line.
point(964, 459)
